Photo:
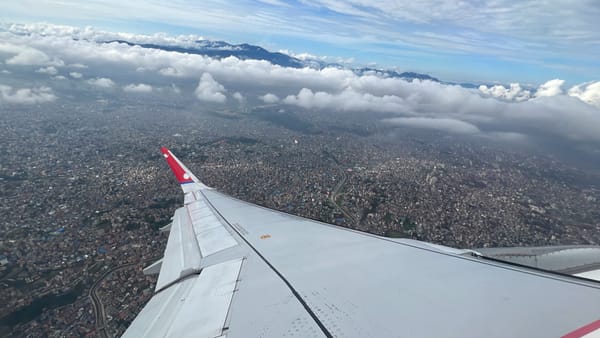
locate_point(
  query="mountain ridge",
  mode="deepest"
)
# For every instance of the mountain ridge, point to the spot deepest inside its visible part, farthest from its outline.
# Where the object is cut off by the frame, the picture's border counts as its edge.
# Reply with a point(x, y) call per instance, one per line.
point(245, 51)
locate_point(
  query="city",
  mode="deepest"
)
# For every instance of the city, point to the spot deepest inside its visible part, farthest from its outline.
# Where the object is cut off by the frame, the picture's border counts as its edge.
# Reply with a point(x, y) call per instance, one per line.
point(85, 190)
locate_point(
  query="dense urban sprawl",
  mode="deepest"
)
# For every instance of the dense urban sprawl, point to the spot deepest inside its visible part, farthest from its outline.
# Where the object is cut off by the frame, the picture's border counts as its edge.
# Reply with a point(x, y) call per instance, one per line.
point(84, 191)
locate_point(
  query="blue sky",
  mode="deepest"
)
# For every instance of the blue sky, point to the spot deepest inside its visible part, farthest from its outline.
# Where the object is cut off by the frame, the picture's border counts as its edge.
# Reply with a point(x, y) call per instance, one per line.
point(504, 41)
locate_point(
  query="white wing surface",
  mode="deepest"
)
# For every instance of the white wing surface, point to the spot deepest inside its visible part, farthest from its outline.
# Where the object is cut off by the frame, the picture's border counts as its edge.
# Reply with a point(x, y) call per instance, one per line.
point(235, 269)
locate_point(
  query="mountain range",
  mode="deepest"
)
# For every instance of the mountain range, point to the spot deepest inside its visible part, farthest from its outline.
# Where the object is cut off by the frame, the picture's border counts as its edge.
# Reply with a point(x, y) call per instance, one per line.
point(222, 49)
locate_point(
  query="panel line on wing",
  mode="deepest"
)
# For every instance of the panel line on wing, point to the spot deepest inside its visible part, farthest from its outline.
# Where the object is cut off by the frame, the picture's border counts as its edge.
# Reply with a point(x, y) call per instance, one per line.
point(486, 260)
point(210, 232)
point(287, 283)
point(182, 255)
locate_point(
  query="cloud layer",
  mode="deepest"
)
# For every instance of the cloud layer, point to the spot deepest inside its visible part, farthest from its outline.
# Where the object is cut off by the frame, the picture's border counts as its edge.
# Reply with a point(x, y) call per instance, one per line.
point(508, 112)
point(588, 92)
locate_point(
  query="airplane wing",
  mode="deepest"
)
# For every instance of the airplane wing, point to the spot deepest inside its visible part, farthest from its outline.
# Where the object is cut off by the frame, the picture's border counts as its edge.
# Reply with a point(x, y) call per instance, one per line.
point(234, 269)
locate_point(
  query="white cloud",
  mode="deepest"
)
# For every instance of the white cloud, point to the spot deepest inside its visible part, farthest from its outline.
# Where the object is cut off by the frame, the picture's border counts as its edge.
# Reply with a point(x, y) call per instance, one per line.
point(60, 77)
point(514, 92)
point(312, 57)
point(301, 56)
point(561, 115)
point(102, 82)
point(76, 75)
point(210, 90)
point(269, 98)
point(4, 71)
point(138, 88)
point(28, 56)
point(26, 95)
point(274, 3)
point(348, 100)
point(51, 70)
point(587, 92)
point(550, 88)
point(474, 25)
point(239, 97)
point(169, 71)
point(426, 104)
point(175, 89)
point(78, 65)
point(445, 124)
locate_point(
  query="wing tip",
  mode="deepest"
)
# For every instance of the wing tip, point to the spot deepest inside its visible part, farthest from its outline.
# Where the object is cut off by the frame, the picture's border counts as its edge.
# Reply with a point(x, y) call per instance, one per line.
point(182, 175)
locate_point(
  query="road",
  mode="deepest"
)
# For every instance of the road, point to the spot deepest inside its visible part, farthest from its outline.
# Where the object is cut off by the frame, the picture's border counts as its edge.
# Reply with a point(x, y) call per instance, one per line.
point(338, 188)
point(334, 195)
point(99, 311)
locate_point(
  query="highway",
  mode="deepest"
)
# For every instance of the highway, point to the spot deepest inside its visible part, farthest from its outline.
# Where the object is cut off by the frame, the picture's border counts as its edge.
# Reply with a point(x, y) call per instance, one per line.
point(335, 194)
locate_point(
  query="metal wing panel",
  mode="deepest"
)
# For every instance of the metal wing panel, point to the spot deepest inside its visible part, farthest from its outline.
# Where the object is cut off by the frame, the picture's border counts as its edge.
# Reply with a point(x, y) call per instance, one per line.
point(182, 255)
point(304, 278)
point(205, 309)
point(194, 307)
point(200, 241)
point(196, 232)
point(363, 285)
point(160, 312)
point(214, 240)
point(264, 306)
point(211, 234)
point(188, 198)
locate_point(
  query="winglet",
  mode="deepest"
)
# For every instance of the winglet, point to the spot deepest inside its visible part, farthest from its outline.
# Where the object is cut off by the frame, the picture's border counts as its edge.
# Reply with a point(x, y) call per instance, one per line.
point(182, 176)
point(182, 173)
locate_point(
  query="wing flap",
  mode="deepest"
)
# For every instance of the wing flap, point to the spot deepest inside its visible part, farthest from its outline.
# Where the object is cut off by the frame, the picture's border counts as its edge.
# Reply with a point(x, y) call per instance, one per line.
point(195, 307)
point(154, 268)
point(196, 232)
point(182, 254)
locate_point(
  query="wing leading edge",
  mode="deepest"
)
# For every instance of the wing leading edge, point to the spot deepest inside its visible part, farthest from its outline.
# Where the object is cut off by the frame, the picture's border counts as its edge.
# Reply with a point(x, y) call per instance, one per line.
point(298, 277)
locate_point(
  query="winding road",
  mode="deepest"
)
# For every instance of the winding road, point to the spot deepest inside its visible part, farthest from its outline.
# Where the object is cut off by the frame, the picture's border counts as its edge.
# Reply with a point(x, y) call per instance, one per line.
point(99, 311)
point(338, 187)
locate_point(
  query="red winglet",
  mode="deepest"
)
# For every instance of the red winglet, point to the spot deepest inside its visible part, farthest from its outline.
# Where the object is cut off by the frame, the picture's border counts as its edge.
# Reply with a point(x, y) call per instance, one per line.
point(182, 176)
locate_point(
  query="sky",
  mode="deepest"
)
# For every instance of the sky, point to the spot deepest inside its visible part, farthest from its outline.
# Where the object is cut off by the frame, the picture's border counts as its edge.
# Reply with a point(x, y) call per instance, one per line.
point(534, 102)
point(488, 42)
